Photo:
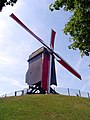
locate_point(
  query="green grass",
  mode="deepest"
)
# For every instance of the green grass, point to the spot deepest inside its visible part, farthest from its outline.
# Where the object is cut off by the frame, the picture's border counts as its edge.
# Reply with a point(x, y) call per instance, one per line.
point(44, 107)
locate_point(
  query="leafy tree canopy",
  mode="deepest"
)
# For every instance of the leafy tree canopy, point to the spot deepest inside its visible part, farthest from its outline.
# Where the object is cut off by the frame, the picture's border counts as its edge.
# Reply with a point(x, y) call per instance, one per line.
point(3, 3)
point(78, 26)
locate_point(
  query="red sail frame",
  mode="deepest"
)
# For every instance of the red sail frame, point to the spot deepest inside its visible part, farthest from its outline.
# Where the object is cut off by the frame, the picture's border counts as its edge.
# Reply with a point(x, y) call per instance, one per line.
point(53, 33)
point(60, 59)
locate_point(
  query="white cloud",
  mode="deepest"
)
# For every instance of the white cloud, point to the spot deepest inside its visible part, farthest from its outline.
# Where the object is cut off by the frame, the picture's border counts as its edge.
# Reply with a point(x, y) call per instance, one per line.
point(17, 84)
point(79, 63)
point(6, 60)
point(3, 25)
point(10, 83)
point(9, 9)
point(86, 83)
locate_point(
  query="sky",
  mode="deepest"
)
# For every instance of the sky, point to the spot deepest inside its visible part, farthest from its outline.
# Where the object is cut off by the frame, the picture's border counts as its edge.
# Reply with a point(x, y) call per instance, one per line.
point(16, 45)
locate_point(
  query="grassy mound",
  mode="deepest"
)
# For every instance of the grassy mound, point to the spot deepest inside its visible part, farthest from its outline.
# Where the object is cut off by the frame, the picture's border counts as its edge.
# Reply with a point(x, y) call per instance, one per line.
point(44, 107)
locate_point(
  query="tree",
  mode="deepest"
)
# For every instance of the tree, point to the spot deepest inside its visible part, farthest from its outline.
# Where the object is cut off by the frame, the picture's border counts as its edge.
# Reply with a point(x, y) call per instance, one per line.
point(78, 26)
point(3, 3)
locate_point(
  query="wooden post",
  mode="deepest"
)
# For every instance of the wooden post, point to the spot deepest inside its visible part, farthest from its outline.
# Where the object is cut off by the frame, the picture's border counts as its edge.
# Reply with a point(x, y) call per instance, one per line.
point(15, 93)
point(88, 94)
point(22, 92)
point(68, 91)
point(79, 93)
point(5, 95)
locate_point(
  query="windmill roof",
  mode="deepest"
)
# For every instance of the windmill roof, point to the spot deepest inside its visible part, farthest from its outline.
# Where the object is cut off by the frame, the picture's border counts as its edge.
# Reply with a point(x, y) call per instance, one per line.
point(37, 52)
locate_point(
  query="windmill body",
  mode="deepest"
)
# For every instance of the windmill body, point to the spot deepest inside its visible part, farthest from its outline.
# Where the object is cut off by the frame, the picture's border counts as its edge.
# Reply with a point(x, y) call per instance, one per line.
point(41, 71)
point(38, 70)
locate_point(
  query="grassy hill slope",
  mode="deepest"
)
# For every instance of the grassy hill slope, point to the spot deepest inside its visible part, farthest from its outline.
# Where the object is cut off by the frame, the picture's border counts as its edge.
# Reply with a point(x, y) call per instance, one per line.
point(44, 107)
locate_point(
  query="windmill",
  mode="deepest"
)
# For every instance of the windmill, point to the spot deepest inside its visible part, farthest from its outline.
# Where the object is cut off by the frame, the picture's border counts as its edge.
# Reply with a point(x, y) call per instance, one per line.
point(41, 73)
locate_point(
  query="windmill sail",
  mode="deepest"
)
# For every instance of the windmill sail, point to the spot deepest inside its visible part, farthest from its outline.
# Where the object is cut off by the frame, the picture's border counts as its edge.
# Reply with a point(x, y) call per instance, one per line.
point(52, 39)
point(53, 80)
point(67, 66)
point(27, 29)
point(53, 72)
